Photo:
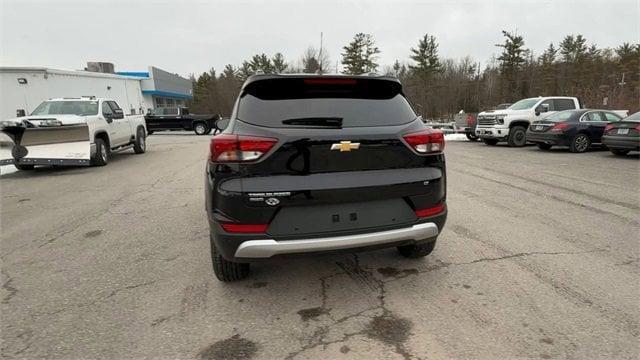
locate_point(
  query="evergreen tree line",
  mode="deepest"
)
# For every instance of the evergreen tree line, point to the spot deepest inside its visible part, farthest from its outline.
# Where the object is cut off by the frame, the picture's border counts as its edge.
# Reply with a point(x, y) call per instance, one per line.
point(440, 87)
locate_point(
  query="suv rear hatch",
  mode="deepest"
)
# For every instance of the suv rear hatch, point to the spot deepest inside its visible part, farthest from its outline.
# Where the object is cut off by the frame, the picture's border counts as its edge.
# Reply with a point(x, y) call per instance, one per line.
point(327, 155)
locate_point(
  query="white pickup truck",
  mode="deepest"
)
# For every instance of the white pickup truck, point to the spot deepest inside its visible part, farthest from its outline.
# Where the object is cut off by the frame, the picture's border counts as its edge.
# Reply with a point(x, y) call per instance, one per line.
point(511, 124)
point(71, 131)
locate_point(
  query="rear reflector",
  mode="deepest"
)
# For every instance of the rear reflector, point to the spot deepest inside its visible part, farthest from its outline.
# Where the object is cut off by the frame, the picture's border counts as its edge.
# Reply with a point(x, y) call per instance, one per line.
point(426, 141)
point(244, 228)
point(422, 213)
point(239, 148)
point(330, 81)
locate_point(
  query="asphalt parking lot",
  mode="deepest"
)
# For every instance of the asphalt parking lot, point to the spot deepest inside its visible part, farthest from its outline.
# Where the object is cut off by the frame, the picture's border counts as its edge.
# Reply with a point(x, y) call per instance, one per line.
point(539, 259)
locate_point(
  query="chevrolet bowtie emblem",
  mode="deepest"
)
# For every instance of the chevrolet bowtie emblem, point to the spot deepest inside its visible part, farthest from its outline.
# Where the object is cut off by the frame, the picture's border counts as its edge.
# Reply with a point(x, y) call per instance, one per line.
point(345, 146)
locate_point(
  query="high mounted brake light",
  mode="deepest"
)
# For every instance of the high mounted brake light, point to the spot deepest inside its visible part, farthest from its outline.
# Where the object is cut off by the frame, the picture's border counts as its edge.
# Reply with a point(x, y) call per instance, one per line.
point(330, 81)
point(427, 141)
point(239, 148)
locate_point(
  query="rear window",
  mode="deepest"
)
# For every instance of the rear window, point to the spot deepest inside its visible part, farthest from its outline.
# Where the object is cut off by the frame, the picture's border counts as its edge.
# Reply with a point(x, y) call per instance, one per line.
point(357, 102)
point(560, 116)
point(633, 117)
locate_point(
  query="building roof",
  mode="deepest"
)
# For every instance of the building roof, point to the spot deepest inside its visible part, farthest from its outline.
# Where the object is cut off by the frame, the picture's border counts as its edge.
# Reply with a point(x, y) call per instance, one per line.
point(33, 69)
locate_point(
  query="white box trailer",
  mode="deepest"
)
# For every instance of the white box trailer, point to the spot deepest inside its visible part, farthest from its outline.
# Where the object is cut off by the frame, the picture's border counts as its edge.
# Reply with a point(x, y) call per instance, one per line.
point(24, 88)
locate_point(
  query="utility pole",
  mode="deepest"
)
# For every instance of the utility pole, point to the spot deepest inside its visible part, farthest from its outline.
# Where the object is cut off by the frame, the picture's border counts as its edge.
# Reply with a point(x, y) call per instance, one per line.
point(320, 55)
point(478, 88)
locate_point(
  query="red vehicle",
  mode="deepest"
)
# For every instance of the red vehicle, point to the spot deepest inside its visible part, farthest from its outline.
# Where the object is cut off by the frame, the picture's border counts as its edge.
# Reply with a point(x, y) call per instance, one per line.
point(466, 122)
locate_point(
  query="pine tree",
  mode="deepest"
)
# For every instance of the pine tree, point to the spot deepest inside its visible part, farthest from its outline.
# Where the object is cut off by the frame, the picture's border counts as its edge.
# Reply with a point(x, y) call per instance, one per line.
point(310, 63)
point(512, 59)
point(279, 64)
point(549, 55)
point(426, 57)
point(360, 55)
point(573, 49)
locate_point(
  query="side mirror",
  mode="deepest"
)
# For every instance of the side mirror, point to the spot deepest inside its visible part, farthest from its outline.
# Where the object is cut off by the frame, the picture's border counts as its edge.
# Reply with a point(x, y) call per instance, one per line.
point(117, 114)
point(221, 124)
point(542, 108)
point(21, 113)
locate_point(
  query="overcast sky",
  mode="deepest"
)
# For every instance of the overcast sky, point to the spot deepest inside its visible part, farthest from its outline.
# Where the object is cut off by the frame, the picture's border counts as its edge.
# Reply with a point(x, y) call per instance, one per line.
point(192, 36)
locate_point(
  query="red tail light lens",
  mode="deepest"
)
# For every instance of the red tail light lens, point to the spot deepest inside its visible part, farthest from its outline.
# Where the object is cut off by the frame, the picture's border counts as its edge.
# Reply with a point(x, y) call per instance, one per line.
point(435, 210)
point(637, 128)
point(239, 148)
point(559, 127)
point(244, 228)
point(608, 128)
point(426, 141)
point(470, 120)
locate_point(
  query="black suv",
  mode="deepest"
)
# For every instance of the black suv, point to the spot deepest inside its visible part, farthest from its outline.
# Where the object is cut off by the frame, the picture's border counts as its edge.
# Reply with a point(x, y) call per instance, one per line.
point(312, 163)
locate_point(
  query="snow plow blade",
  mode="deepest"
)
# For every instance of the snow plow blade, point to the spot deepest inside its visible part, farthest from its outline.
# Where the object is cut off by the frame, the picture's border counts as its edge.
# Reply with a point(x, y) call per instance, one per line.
point(54, 145)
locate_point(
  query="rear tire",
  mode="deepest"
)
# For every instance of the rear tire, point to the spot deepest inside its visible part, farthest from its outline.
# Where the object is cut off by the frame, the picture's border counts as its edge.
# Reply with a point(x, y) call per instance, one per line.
point(24, 167)
point(226, 270)
point(472, 137)
point(140, 144)
point(517, 136)
point(580, 143)
point(201, 128)
point(619, 152)
point(490, 142)
point(101, 158)
point(418, 250)
point(543, 146)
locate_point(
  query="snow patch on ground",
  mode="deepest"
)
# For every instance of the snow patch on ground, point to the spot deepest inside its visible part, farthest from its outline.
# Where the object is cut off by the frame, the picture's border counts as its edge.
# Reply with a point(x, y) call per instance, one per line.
point(7, 169)
point(455, 137)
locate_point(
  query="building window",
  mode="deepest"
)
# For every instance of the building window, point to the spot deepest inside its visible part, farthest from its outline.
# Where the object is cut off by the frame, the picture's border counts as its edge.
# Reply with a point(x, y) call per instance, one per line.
point(159, 102)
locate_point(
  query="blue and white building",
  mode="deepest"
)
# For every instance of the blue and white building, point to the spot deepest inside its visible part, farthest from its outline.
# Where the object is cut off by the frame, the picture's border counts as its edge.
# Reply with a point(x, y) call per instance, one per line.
point(22, 89)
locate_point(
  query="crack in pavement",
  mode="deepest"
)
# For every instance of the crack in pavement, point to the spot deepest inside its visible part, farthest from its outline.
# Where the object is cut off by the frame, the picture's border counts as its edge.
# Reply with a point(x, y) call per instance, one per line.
point(547, 195)
point(95, 301)
point(356, 272)
point(385, 327)
point(8, 286)
point(627, 205)
point(579, 297)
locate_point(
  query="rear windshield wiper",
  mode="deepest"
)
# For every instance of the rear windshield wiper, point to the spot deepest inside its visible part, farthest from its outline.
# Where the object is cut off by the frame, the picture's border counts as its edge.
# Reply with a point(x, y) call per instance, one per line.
point(315, 121)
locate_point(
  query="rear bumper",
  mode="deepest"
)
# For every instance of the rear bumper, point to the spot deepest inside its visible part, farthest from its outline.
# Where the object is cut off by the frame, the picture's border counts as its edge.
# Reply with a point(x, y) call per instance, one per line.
point(546, 138)
point(262, 247)
point(267, 248)
point(621, 142)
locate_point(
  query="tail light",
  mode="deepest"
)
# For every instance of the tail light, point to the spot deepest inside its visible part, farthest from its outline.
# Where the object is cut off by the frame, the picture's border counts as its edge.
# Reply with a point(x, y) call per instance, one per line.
point(470, 120)
point(559, 127)
point(244, 228)
point(637, 128)
point(435, 210)
point(239, 148)
point(608, 128)
point(426, 141)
